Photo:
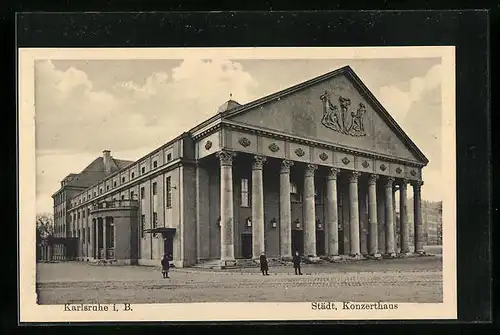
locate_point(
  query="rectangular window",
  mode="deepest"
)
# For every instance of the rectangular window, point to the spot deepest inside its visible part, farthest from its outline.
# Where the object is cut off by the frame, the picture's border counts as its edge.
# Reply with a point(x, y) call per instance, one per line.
point(294, 193)
point(245, 201)
point(143, 169)
point(143, 194)
point(123, 196)
point(100, 190)
point(83, 235)
point(123, 179)
point(114, 183)
point(78, 215)
point(132, 175)
point(83, 214)
point(169, 157)
point(107, 187)
point(169, 192)
point(155, 219)
point(143, 224)
point(111, 236)
point(154, 188)
point(155, 164)
point(132, 195)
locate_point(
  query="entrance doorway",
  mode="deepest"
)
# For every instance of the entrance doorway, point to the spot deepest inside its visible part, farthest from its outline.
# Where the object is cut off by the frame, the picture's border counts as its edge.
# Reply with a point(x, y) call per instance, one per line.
point(246, 246)
point(320, 242)
point(168, 245)
point(298, 241)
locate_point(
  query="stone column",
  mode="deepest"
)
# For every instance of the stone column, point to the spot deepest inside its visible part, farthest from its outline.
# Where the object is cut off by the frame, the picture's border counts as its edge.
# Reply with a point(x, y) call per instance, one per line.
point(403, 217)
point(258, 245)
point(332, 216)
point(354, 214)
point(226, 206)
point(309, 211)
point(395, 218)
point(372, 214)
point(389, 218)
point(285, 211)
point(104, 237)
point(96, 236)
point(418, 227)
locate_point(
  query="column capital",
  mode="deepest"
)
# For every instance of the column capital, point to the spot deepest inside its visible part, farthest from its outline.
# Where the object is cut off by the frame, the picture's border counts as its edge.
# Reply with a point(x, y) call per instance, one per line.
point(332, 173)
point(403, 182)
point(225, 157)
point(286, 165)
point(372, 179)
point(353, 176)
point(417, 184)
point(311, 169)
point(389, 182)
point(258, 162)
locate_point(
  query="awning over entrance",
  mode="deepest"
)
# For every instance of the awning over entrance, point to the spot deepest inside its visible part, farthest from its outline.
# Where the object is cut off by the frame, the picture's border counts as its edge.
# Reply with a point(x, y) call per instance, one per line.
point(161, 230)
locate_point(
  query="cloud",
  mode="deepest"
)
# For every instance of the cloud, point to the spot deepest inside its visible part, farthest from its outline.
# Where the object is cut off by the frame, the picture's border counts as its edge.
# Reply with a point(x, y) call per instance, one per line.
point(399, 100)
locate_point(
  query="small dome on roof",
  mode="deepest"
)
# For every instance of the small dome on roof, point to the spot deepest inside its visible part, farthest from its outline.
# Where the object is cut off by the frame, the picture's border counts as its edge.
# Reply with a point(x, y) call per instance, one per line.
point(228, 105)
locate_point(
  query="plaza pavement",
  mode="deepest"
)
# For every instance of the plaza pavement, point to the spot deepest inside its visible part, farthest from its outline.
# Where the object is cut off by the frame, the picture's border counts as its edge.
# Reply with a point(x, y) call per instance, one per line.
point(393, 280)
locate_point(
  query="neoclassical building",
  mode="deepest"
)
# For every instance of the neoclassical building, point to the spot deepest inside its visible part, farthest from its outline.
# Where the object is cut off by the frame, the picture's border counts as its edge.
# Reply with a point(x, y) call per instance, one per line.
point(316, 168)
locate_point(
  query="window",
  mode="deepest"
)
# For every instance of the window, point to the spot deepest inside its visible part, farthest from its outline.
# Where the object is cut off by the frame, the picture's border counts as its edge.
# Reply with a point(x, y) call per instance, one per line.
point(88, 234)
point(123, 196)
point(123, 179)
point(154, 188)
point(245, 201)
point(100, 190)
point(107, 187)
point(83, 214)
point(114, 199)
point(78, 215)
point(169, 157)
point(294, 193)
point(169, 192)
point(143, 169)
point(114, 183)
point(95, 193)
point(110, 243)
point(143, 194)
point(83, 234)
point(143, 225)
point(132, 195)
point(155, 219)
point(132, 175)
point(155, 164)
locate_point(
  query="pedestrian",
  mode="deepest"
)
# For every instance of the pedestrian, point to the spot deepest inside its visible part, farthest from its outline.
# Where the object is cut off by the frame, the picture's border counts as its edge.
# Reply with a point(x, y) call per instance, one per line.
point(296, 263)
point(263, 265)
point(165, 266)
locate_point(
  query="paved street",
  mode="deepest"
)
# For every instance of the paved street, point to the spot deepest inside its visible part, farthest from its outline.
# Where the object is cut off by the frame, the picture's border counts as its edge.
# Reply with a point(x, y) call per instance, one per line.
point(397, 280)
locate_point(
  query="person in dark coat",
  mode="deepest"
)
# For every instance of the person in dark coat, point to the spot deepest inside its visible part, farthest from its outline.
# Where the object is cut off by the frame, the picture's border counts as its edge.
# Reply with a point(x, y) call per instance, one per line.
point(263, 265)
point(296, 263)
point(165, 266)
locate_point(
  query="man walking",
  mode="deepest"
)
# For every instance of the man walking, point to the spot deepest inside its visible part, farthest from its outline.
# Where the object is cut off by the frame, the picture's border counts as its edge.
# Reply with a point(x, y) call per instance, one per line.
point(263, 265)
point(296, 263)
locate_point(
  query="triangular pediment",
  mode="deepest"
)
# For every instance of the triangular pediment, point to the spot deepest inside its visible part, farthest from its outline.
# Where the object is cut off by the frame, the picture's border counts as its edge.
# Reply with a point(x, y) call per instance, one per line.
point(336, 108)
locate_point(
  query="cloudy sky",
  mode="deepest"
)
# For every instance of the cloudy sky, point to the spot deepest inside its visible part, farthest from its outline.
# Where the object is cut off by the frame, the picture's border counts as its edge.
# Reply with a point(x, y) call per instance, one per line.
point(133, 106)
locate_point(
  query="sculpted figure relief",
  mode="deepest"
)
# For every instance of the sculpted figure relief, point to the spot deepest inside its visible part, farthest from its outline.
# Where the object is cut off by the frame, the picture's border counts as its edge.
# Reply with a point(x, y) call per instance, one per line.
point(341, 120)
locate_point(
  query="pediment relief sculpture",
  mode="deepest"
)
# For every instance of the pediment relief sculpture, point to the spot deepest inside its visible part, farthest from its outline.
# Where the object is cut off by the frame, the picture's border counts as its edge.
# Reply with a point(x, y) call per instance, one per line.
point(342, 117)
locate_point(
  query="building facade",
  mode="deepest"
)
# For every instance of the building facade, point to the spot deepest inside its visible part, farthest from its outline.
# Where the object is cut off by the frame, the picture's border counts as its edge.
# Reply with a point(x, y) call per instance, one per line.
point(314, 168)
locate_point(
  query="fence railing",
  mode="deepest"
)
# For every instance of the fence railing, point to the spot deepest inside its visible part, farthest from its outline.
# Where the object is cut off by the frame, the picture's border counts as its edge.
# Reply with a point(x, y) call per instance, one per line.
point(115, 204)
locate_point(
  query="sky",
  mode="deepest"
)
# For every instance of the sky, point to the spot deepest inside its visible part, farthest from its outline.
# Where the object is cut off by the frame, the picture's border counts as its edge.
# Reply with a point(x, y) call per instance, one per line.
point(131, 107)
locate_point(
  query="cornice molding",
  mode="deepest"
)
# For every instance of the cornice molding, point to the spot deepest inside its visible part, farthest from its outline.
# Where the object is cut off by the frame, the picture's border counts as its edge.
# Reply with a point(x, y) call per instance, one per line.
point(315, 143)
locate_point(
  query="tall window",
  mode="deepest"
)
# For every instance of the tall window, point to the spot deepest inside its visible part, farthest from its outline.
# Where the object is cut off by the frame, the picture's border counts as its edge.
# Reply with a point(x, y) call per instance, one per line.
point(143, 194)
point(110, 243)
point(169, 192)
point(155, 164)
point(132, 175)
point(294, 192)
point(143, 225)
point(132, 195)
point(83, 235)
point(245, 201)
point(154, 188)
point(123, 196)
point(123, 179)
point(155, 219)
point(88, 234)
point(143, 170)
point(169, 157)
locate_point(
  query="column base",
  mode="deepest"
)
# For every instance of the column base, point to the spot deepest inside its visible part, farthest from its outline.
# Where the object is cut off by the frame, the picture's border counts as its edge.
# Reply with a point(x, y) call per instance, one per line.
point(375, 256)
point(313, 259)
point(420, 253)
point(389, 255)
point(286, 258)
point(404, 254)
point(356, 256)
point(227, 264)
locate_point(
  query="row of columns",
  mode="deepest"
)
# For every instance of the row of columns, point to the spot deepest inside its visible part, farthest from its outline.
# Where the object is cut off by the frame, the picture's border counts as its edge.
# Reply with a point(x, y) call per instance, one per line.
point(309, 208)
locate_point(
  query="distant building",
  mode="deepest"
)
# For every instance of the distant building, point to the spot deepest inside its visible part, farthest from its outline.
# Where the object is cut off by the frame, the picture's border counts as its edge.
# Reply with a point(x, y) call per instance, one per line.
point(312, 168)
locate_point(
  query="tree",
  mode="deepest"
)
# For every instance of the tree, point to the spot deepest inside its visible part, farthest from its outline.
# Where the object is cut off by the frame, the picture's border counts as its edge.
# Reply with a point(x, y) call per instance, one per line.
point(44, 227)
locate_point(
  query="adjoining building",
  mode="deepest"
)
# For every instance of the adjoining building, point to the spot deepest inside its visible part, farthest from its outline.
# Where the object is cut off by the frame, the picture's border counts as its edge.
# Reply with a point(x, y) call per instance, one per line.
point(313, 168)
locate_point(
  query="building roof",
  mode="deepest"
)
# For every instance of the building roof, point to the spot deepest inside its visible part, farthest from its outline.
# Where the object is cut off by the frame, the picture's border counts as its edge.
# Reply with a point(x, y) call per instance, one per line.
point(227, 106)
point(94, 172)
